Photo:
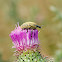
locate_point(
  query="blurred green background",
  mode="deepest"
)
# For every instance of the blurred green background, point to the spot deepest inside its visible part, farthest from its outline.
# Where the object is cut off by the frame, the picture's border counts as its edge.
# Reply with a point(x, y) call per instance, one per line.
point(46, 13)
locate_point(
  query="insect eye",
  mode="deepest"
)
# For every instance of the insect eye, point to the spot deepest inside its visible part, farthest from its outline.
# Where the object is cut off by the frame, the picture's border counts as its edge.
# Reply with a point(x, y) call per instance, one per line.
point(38, 26)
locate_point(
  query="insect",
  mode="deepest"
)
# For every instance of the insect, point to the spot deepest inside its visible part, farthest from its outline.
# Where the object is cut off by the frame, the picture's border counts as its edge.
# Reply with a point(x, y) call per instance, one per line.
point(29, 25)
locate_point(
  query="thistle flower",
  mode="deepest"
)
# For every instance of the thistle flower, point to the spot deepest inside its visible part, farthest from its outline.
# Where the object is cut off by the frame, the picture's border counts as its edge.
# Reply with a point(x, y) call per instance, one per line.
point(26, 44)
point(24, 39)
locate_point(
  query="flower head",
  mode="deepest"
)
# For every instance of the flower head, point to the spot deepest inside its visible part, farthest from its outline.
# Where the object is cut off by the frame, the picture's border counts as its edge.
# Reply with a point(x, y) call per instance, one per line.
point(24, 39)
point(26, 43)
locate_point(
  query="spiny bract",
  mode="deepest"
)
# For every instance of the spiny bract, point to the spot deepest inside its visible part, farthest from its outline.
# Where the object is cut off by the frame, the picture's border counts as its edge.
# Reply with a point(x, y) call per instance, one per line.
point(31, 56)
point(29, 25)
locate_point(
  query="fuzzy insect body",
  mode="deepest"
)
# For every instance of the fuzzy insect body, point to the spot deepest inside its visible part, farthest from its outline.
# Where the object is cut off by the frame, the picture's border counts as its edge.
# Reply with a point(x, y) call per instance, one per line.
point(29, 25)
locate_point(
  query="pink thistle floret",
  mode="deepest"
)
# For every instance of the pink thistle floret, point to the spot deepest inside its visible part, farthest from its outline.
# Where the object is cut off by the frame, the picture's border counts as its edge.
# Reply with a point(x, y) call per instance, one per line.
point(24, 39)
